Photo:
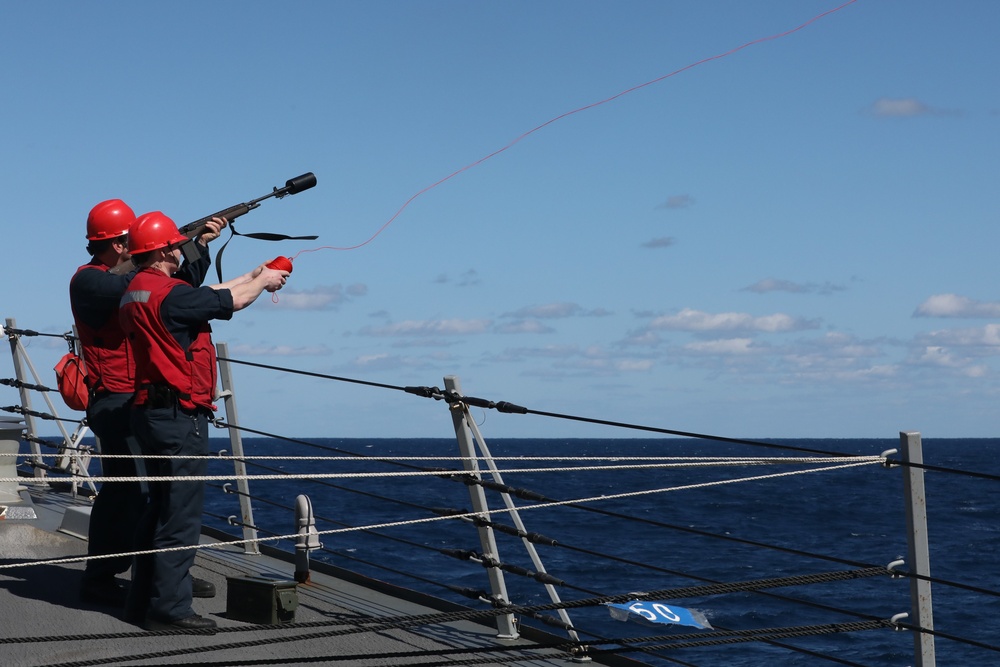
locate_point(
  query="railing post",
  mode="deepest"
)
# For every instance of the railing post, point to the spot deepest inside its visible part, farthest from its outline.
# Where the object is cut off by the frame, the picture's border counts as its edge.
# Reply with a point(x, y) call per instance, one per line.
point(22, 376)
point(506, 627)
point(251, 546)
point(918, 551)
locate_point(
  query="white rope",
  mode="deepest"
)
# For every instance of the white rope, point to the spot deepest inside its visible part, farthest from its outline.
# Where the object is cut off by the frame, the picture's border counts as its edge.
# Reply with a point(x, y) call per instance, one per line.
point(415, 473)
point(467, 515)
point(737, 460)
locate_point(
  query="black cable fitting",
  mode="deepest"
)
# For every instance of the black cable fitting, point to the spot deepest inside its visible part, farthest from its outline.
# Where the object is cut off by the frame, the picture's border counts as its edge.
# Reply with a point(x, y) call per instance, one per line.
point(518, 570)
point(17, 384)
point(425, 392)
point(55, 445)
point(458, 554)
point(538, 538)
point(21, 332)
point(447, 511)
point(493, 486)
point(40, 415)
point(497, 602)
point(468, 479)
point(527, 494)
point(546, 578)
point(534, 538)
point(509, 530)
point(488, 561)
point(470, 593)
point(548, 619)
point(510, 408)
point(477, 402)
point(524, 494)
point(502, 406)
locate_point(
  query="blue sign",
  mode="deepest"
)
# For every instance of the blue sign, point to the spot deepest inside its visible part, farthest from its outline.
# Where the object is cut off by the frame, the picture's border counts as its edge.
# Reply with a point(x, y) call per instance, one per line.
point(651, 612)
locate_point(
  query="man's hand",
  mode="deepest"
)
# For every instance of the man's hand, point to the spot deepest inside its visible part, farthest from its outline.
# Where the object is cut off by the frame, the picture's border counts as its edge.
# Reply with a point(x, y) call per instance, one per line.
point(272, 279)
point(213, 228)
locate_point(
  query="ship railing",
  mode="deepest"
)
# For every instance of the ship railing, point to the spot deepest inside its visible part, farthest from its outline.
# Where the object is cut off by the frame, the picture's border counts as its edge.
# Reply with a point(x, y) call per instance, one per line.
point(473, 448)
point(72, 457)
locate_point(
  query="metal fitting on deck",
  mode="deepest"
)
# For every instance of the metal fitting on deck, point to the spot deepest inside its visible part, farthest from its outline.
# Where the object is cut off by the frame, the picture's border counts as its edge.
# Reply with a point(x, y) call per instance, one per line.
point(308, 537)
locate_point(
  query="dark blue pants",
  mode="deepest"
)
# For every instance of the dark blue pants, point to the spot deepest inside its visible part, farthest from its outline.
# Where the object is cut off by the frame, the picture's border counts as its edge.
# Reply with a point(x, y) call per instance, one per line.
point(116, 511)
point(161, 585)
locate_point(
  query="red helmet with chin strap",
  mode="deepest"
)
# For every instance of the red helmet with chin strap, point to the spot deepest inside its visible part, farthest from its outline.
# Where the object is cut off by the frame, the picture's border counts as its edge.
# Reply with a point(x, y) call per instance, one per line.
point(109, 220)
point(151, 231)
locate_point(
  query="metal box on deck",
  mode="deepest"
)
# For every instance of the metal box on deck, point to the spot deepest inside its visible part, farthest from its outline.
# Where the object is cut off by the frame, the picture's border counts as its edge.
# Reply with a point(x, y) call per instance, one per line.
point(261, 600)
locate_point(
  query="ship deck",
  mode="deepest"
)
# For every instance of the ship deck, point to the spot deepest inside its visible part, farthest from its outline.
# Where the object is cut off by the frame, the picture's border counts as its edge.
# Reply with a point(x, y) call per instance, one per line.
point(341, 617)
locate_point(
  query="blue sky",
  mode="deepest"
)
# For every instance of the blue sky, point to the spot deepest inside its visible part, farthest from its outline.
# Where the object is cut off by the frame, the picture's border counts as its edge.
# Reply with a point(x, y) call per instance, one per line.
point(796, 240)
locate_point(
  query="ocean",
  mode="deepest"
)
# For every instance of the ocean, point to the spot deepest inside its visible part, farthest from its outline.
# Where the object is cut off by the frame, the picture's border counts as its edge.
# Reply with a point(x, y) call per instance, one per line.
point(741, 531)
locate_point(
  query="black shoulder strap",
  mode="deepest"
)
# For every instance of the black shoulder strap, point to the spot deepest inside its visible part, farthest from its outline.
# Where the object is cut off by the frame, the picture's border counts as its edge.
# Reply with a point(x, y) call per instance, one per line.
point(263, 236)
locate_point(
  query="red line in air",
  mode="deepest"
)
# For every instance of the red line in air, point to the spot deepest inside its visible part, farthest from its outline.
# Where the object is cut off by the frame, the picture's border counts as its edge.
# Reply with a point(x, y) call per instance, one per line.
point(576, 111)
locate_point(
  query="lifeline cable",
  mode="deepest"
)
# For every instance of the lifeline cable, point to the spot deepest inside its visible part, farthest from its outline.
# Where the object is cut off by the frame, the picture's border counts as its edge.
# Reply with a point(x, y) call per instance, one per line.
point(502, 528)
point(503, 406)
point(593, 593)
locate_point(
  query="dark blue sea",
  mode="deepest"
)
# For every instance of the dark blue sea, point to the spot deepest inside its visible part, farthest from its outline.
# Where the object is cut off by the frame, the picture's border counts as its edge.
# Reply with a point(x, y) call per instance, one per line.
point(819, 522)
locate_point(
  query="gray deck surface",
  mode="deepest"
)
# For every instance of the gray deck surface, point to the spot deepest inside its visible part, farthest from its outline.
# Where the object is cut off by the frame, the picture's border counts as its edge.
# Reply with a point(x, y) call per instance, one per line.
point(40, 601)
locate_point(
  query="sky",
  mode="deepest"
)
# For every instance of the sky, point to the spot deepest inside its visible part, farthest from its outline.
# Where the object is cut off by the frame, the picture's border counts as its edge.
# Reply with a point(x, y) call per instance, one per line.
point(598, 209)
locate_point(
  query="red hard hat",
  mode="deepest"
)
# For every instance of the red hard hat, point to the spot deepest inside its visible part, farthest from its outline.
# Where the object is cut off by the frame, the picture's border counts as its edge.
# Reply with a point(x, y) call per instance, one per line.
point(109, 220)
point(151, 231)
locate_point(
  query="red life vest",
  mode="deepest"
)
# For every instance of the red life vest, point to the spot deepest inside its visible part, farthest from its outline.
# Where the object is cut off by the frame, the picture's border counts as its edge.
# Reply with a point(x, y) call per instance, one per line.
point(159, 358)
point(105, 350)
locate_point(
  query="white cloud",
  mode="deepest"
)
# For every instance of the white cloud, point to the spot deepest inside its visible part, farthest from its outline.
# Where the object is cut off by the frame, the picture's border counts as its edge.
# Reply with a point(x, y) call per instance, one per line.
point(775, 285)
point(524, 326)
point(322, 297)
point(557, 310)
point(662, 242)
point(983, 337)
point(944, 358)
point(546, 352)
point(696, 320)
point(467, 278)
point(953, 305)
point(357, 289)
point(452, 327)
point(677, 201)
point(634, 365)
point(887, 107)
point(279, 350)
point(549, 310)
point(642, 338)
point(726, 346)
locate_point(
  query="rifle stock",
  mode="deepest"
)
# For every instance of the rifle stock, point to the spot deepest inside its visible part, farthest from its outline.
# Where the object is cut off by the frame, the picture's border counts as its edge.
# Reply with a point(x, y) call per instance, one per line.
point(194, 229)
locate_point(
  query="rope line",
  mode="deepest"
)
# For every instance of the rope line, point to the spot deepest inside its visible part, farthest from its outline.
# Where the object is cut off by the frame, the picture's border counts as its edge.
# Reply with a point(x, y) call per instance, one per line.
point(858, 461)
point(586, 107)
point(534, 537)
point(393, 524)
point(679, 461)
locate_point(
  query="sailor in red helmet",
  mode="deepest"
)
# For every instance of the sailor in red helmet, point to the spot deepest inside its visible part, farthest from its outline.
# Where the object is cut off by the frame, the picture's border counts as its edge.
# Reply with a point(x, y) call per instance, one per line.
point(94, 297)
point(166, 320)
